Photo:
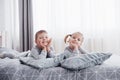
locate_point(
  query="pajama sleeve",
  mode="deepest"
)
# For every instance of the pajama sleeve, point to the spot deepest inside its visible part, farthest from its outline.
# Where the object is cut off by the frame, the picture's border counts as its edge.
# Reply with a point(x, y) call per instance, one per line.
point(36, 54)
point(52, 52)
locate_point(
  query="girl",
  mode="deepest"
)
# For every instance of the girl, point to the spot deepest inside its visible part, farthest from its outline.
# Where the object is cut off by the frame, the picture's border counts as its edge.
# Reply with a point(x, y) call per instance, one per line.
point(74, 41)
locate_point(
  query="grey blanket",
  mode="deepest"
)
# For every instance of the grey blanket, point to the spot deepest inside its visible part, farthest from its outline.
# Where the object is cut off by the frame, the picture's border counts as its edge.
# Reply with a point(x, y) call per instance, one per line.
point(40, 63)
point(11, 69)
point(72, 63)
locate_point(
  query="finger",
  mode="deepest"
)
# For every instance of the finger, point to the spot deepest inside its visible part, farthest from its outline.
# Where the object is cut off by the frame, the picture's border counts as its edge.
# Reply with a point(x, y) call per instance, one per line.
point(42, 44)
point(49, 42)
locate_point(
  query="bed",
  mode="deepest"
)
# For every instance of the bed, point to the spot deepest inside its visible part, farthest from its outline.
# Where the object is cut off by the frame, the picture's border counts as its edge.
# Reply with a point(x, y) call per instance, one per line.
point(12, 69)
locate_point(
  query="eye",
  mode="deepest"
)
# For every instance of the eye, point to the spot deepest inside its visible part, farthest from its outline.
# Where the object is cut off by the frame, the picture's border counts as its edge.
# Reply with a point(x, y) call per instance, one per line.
point(40, 37)
point(78, 39)
point(46, 37)
point(73, 37)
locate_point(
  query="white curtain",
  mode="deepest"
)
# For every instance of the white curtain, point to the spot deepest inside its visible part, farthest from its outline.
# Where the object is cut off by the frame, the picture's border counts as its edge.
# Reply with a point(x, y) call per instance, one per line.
point(9, 23)
point(98, 20)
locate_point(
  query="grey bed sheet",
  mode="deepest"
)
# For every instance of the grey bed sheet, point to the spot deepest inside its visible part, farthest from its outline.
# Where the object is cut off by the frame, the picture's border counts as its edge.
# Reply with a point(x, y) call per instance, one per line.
point(11, 69)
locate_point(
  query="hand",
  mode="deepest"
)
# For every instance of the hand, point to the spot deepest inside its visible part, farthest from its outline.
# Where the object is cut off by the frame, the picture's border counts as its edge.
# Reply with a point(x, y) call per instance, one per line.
point(48, 45)
point(74, 45)
point(43, 46)
point(49, 42)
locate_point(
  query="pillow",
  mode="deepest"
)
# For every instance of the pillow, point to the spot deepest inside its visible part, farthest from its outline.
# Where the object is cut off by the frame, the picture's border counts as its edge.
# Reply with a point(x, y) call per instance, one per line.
point(7, 51)
point(23, 54)
point(11, 53)
point(84, 61)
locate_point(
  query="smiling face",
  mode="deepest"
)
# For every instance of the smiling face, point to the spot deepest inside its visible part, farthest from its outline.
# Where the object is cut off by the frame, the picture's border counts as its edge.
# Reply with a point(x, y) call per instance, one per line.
point(42, 39)
point(76, 38)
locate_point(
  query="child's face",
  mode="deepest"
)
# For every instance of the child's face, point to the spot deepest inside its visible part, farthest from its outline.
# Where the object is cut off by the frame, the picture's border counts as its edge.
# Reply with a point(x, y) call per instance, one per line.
point(42, 39)
point(77, 39)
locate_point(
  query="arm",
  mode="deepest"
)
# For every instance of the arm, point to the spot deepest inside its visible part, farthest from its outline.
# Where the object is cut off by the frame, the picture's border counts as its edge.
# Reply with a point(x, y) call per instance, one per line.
point(83, 51)
point(76, 52)
point(51, 52)
point(74, 47)
point(36, 54)
point(66, 54)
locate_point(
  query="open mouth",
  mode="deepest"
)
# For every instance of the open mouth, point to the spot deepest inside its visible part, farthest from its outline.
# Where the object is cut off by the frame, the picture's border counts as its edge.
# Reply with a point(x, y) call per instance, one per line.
point(45, 43)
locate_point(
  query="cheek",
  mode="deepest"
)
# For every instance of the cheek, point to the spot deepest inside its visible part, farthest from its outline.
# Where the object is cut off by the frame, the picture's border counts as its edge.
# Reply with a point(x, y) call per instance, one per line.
point(80, 43)
point(39, 40)
point(47, 40)
point(69, 40)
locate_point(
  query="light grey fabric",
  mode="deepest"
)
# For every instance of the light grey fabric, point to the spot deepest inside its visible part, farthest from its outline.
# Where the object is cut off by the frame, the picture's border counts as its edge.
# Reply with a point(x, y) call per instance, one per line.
point(38, 53)
point(11, 69)
point(10, 53)
point(69, 53)
point(6, 50)
point(85, 61)
point(40, 63)
point(23, 54)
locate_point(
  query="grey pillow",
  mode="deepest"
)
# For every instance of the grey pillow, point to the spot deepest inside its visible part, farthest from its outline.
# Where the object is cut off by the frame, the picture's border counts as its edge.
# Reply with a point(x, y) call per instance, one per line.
point(7, 51)
point(11, 53)
point(85, 61)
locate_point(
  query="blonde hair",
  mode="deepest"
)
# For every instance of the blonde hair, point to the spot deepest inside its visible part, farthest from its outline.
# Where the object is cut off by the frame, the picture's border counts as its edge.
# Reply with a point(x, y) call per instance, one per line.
point(39, 32)
point(69, 35)
point(66, 37)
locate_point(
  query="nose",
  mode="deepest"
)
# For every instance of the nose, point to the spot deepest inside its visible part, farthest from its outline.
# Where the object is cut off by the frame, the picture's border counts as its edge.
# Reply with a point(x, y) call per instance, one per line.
point(44, 38)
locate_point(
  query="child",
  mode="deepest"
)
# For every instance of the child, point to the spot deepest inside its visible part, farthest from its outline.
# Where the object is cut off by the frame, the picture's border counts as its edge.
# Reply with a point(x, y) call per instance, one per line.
point(74, 41)
point(74, 49)
point(43, 47)
point(42, 55)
